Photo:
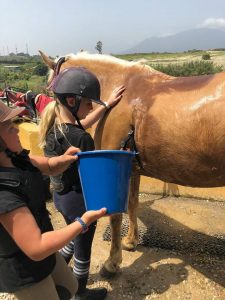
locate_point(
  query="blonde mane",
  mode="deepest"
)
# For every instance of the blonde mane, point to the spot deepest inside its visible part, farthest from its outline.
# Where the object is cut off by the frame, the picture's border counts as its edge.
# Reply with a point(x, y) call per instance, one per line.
point(108, 59)
point(114, 64)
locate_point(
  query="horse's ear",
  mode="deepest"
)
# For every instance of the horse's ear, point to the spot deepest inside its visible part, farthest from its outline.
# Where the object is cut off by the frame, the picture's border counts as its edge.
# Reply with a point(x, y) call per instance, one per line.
point(47, 60)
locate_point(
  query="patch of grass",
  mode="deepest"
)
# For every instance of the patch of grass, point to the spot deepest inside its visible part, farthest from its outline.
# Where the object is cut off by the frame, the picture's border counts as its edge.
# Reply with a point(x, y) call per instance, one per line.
point(193, 68)
point(164, 56)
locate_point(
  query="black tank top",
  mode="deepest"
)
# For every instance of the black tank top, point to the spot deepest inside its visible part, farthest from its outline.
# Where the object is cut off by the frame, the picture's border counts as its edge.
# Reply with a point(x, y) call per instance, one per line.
point(20, 188)
point(57, 143)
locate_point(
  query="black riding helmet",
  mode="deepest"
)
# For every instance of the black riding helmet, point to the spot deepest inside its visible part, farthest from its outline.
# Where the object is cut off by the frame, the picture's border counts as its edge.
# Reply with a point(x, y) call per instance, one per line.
point(77, 82)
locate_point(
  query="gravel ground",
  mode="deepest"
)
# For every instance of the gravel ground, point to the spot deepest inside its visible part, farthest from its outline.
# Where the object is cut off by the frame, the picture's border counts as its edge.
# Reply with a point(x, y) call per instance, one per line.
point(193, 269)
point(184, 256)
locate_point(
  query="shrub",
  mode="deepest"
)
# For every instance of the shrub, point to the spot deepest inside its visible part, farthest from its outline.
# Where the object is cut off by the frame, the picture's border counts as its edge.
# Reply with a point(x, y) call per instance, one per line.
point(189, 69)
point(40, 70)
point(206, 56)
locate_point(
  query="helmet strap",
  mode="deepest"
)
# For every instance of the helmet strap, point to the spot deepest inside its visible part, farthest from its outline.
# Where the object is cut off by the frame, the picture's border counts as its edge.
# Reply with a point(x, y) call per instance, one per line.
point(79, 123)
point(74, 109)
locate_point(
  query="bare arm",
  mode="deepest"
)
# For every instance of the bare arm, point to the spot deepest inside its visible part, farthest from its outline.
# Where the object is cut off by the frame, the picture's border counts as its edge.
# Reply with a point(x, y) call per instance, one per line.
point(22, 227)
point(57, 164)
point(98, 113)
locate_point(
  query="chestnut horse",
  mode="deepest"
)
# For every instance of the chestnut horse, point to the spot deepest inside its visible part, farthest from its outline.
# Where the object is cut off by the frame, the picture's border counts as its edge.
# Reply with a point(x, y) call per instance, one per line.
point(178, 123)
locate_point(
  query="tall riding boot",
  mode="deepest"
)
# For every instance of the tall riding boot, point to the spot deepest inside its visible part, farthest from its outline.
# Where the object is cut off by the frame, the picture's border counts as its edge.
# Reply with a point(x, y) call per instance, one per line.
point(84, 293)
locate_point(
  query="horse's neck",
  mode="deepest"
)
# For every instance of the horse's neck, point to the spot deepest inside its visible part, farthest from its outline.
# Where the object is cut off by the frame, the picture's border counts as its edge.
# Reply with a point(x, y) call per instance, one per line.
point(113, 71)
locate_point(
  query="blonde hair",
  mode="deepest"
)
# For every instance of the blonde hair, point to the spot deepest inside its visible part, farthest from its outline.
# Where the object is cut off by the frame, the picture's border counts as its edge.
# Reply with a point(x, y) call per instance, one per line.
point(47, 121)
point(50, 119)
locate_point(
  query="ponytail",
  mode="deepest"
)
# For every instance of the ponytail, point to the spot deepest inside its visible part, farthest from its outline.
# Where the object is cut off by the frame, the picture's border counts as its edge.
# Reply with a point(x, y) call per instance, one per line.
point(47, 121)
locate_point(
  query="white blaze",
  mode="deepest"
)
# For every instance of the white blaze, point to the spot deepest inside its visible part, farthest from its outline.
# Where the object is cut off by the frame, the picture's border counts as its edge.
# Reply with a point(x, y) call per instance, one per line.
point(209, 98)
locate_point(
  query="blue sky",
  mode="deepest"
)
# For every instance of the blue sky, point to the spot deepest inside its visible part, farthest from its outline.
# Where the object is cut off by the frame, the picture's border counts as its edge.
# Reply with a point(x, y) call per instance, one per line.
point(60, 27)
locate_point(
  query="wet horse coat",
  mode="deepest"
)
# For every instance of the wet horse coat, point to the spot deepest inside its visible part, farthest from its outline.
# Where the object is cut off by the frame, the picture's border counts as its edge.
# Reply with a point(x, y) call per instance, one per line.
point(179, 128)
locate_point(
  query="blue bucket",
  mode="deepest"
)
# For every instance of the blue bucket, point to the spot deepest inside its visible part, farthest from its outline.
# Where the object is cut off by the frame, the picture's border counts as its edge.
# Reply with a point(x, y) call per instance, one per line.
point(105, 177)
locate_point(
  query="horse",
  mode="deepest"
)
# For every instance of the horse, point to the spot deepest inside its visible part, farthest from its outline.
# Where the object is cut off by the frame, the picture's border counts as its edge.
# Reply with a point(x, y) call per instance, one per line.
point(178, 126)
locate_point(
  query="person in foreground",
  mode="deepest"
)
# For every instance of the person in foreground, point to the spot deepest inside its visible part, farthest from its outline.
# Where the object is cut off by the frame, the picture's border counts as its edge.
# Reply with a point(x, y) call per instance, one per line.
point(30, 266)
point(63, 124)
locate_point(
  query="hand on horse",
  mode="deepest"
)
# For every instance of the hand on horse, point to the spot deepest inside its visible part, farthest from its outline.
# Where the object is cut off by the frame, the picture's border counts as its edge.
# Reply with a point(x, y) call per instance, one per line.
point(116, 96)
point(93, 215)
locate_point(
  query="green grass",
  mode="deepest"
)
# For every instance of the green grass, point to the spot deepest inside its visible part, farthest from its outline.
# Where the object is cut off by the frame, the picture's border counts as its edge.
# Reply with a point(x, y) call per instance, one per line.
point(169, 57)
point(35, 83)
point(164, 56)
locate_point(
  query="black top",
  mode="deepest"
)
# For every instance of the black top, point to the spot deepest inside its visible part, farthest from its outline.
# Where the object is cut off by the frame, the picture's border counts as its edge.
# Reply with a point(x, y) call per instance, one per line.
point(20, 188)
point(57, 143)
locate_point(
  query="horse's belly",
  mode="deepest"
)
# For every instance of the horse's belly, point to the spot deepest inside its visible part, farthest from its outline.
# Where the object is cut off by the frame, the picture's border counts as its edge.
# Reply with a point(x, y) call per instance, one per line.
point(187, 174)
point(183, 146)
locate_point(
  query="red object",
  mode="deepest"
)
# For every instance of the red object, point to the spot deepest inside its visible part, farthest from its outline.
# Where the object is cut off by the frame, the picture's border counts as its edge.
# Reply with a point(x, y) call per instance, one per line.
point(2, 94)
point(41, 101)
point(28, 100)
point(15, 96)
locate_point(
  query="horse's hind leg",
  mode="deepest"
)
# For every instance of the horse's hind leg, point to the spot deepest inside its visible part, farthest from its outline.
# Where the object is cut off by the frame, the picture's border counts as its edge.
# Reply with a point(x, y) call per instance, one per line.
point(111, 265)
point(131, 240)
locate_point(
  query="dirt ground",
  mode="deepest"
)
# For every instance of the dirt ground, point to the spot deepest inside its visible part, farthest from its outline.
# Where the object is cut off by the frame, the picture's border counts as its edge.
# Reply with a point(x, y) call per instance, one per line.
point(184, 259)
point(218, 58)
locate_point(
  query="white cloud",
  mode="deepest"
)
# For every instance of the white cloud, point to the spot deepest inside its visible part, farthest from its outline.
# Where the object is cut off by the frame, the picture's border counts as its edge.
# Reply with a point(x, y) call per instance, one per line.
point(212, 23)
point(166, 34)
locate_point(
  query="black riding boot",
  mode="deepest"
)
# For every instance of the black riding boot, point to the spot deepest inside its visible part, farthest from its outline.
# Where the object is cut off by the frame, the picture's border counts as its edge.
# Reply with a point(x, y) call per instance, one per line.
point(89, 294)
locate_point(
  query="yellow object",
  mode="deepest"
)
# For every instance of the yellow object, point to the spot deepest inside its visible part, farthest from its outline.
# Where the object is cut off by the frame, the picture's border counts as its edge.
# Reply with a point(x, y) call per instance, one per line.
point(29, 137)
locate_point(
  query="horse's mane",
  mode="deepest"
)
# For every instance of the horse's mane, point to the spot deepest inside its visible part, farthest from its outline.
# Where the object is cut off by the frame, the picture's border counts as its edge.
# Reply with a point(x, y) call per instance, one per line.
point(112, 61)
point(109, 59)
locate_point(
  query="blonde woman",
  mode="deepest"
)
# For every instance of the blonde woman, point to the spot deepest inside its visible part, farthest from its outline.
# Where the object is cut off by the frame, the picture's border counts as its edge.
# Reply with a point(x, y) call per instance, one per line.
point(63, 124)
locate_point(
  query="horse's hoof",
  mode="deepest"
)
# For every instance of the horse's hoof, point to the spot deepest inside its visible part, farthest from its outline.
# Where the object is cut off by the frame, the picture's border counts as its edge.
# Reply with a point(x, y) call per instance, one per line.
point(106, 274)
point(129, 247)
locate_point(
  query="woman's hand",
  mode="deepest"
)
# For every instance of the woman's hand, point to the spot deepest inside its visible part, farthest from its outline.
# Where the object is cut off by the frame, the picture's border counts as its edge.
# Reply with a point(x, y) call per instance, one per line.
point(71, 151)
point(99, 112)
point(116, 96)
point(93, 215)
point(58, 164)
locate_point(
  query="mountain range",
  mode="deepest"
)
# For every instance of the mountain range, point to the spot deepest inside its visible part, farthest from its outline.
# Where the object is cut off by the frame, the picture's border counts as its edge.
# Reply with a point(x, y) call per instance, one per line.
point(199, 39)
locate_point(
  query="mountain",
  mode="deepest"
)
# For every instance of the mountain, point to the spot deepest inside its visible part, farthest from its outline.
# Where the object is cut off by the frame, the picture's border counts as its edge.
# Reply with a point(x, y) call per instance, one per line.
point(201, 39)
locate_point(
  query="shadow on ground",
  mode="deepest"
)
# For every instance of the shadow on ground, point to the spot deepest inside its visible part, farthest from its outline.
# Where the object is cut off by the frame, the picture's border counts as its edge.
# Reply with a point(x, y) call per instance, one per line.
point(183, 247)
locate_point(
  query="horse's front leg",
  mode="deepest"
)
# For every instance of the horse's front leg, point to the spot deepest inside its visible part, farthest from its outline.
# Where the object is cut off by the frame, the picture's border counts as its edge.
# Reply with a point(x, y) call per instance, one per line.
point(131, 240)
point(111, 265)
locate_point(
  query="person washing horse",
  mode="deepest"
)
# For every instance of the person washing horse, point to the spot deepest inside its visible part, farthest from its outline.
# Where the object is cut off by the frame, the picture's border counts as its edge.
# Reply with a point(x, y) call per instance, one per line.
point(30, 265)
point(63, 124)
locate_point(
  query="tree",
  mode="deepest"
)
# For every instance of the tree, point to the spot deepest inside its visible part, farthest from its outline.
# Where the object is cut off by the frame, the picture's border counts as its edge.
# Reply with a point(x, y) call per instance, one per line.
point(40, 69)
point(98, 47)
